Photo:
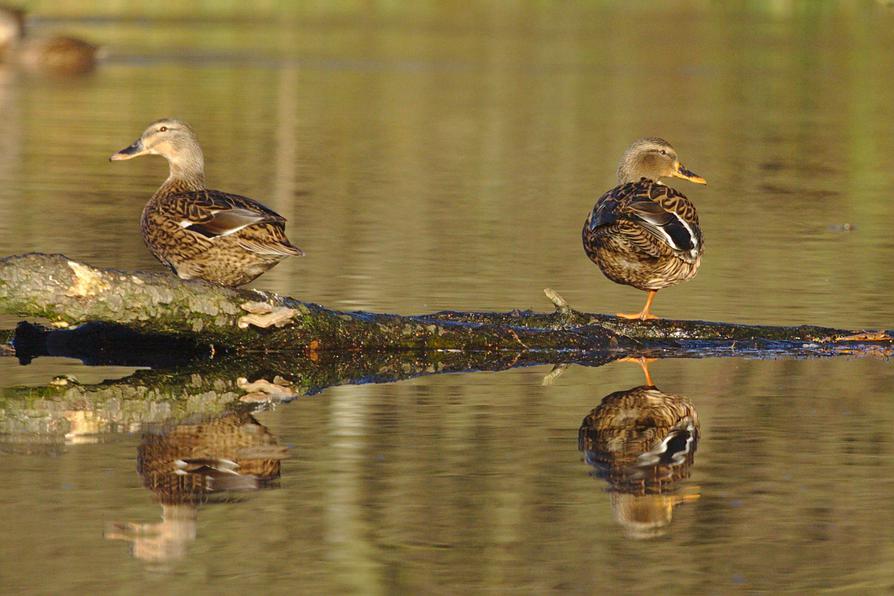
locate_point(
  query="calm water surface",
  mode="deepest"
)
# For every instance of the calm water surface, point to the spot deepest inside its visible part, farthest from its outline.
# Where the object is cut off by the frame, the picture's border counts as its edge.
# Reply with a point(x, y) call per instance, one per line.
point(446, 158)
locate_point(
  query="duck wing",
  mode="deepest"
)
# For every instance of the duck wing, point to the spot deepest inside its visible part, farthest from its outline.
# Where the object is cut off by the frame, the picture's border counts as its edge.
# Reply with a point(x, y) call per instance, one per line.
point(225, 222)
point(215, 214)
point(649, 215)
point(663, 225)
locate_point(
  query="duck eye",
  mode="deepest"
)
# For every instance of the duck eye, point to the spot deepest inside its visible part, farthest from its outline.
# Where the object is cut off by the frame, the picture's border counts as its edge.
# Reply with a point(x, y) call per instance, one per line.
point(163, 129)
point(663, 152)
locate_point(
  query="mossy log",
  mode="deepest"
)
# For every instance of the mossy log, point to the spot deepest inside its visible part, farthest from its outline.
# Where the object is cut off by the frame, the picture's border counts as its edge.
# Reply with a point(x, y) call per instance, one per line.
point(70, 293)
point(213, 318)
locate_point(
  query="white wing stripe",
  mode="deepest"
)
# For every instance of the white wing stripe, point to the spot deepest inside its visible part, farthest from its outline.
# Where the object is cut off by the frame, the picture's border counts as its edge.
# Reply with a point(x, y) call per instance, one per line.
point(693, 238)
point(233, 230)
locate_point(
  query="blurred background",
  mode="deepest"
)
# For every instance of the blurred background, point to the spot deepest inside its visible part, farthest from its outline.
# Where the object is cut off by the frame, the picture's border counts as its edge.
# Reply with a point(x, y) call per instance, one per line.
point(434, 155)
point(445, 155)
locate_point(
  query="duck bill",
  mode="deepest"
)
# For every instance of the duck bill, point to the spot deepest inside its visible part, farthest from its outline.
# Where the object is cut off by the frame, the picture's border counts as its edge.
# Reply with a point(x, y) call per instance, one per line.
point(682, 172)
point(134, 150)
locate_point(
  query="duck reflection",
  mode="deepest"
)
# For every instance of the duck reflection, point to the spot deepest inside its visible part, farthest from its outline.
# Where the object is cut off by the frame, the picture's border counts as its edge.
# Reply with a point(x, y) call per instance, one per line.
point(192, 463)
point(643, 442)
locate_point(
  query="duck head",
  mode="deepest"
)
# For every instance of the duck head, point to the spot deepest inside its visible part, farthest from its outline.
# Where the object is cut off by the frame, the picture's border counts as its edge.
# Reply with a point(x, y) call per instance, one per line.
point(653, 158)
point(172, 139)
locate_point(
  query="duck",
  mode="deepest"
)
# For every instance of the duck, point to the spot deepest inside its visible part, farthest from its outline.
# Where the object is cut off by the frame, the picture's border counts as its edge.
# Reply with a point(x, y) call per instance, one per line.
point(52, 54)
point(205, 234)
point(643, 233)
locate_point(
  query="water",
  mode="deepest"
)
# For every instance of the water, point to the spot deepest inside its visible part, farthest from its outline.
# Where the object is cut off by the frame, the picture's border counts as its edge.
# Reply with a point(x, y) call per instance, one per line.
point(438, 158)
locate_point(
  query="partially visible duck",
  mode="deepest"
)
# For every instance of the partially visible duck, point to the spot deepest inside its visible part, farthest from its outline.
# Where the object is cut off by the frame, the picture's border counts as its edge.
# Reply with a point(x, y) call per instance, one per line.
point(55, 54)
point(200, 233)
point(642, 233)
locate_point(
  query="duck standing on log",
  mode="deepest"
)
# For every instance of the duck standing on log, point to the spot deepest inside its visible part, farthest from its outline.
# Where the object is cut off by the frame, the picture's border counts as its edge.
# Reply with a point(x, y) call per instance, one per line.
point(200, 233)
point(642, 233)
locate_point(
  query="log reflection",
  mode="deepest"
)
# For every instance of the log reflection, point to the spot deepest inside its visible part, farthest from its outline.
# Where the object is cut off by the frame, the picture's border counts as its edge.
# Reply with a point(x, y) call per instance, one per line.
point(642, 442)
point(192, 463)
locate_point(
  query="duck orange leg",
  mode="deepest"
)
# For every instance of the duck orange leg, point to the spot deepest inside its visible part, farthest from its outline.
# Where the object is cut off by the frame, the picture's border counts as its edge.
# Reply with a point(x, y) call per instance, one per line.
point(644, 314)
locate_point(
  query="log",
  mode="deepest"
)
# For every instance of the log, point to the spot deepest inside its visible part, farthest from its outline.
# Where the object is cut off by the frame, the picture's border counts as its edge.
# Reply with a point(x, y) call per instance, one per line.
point(69, 293)
point(206, 318)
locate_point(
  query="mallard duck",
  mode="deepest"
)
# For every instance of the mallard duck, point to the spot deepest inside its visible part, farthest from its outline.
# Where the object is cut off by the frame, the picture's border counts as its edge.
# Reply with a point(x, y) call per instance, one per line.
point(642, 233)
point(56, 54)
point(200, 233)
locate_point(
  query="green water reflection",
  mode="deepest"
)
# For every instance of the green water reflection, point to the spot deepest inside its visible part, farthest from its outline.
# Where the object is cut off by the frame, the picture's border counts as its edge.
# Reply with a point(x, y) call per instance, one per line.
point(426, 162)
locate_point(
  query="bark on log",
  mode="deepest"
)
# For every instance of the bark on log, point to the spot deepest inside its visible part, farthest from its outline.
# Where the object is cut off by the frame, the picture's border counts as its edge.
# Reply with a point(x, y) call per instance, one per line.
point(202, 315)
point(70, 293)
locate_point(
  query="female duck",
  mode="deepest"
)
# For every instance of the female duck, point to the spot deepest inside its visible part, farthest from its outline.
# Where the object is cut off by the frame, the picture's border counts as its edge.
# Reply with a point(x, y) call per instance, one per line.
point(642, 233)
point(200, 233)
point(54, 54)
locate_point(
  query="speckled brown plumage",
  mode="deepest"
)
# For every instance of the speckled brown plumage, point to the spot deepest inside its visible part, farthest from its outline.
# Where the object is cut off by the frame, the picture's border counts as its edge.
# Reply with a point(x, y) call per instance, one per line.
point(620, 236)
point(643, 233)
point(200, 233)
point(199, 251)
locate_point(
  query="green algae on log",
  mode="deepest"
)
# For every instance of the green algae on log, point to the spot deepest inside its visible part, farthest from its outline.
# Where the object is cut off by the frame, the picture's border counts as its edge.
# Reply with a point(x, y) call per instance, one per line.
point(69, 293)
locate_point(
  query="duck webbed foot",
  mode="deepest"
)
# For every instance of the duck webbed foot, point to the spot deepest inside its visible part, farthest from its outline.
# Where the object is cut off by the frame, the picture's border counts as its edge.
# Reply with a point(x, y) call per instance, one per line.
point(637, 315)
point(644, 314)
